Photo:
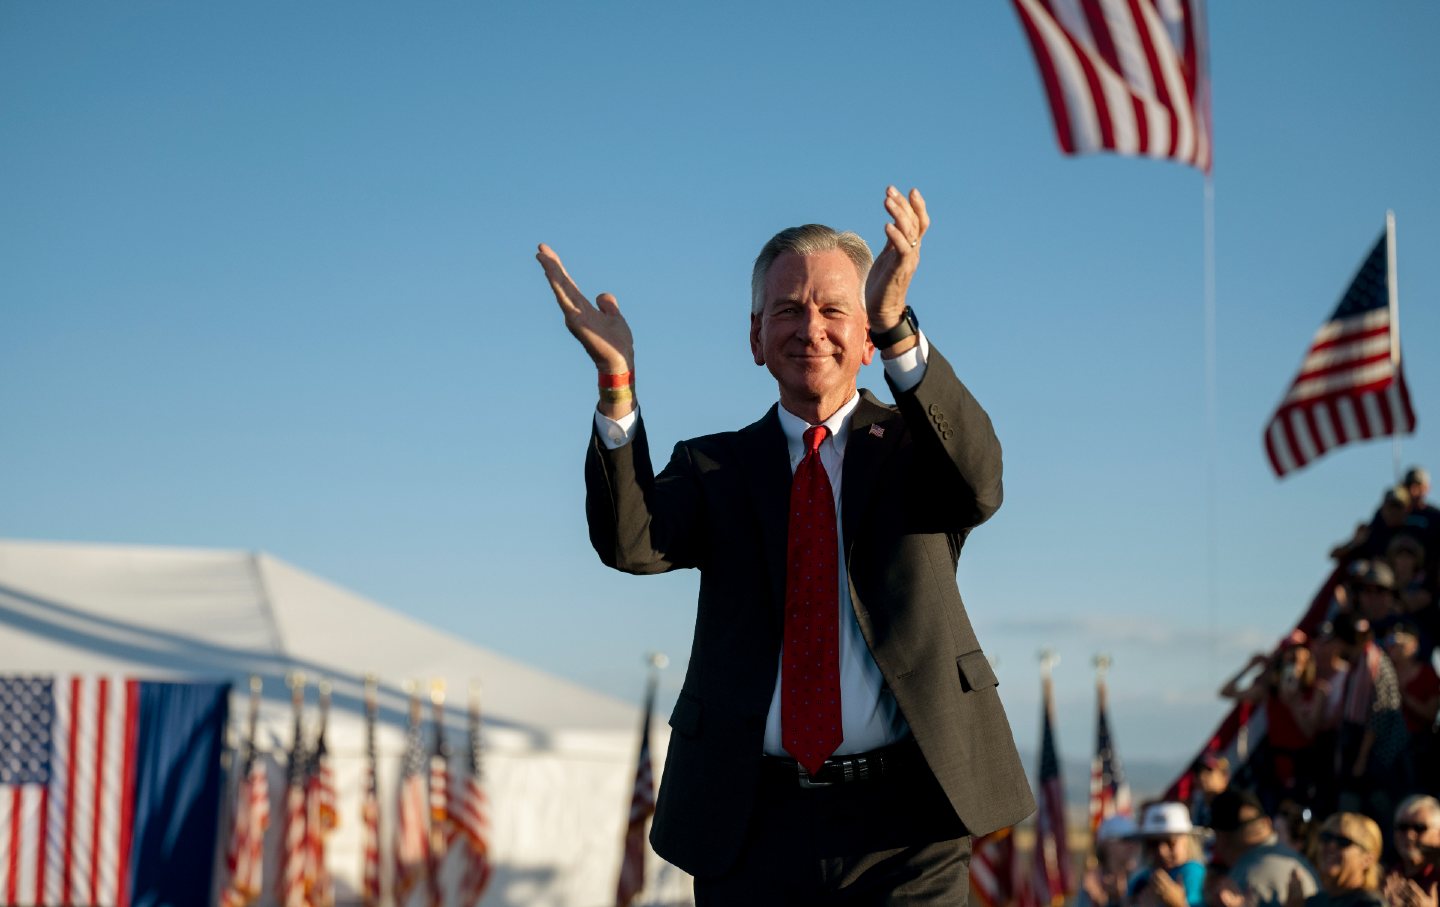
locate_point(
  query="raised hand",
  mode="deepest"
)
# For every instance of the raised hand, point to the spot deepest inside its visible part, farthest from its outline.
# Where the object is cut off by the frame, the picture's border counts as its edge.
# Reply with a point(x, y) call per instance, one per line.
point(1295, 890)
point(600, 327)
point(1167, 891)
point(890, 276)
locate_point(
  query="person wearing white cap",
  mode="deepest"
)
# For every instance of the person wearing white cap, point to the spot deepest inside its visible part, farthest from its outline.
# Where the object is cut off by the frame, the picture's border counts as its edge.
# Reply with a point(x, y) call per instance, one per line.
point(1172, 876)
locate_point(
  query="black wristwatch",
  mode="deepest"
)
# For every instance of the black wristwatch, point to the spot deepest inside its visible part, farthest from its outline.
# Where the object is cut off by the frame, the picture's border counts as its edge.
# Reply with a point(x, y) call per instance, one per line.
point(907, 327)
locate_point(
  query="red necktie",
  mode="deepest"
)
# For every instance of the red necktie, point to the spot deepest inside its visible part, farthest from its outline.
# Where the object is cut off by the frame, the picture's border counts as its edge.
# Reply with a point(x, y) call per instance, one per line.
point(810, 664)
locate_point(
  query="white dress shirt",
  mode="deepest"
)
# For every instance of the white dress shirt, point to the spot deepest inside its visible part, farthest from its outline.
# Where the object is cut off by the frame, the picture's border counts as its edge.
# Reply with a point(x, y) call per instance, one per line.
point(869, 716)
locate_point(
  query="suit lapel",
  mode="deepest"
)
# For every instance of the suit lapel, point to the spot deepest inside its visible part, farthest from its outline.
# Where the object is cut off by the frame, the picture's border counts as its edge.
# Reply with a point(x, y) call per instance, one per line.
point(871, 440)
point(767, 459)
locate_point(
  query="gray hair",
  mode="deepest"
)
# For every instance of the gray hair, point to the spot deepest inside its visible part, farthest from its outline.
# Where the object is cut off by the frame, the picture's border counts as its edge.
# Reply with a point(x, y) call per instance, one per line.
point(806, 240)
point(1424, 801)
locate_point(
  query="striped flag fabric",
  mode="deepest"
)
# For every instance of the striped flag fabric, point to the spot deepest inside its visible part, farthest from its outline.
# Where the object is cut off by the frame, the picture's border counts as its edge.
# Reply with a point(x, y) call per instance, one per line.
point(370, 809)
point(440, 829)
point(294, 849)
point(1128, 76)
point(440, 826)
point(1109, 793)
point(1351, 386)
point(97, 774)
point(642, 804)
point(412, 851)
point(992, 868)
point(320, 815)
point(472, 817)
point(245, 855)
point(1050, 878)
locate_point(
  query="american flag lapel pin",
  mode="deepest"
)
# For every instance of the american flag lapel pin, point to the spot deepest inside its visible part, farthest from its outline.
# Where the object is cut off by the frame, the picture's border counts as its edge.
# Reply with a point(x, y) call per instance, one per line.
point(877, 431)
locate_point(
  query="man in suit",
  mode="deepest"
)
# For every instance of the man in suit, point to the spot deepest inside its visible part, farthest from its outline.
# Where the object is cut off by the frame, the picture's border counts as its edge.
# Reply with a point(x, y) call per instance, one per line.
point(838, 738)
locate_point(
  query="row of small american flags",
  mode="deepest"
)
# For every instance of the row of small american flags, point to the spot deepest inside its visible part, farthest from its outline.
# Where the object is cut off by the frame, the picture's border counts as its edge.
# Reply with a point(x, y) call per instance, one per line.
point(443, 818)
point(440, 817)
point(997, 878)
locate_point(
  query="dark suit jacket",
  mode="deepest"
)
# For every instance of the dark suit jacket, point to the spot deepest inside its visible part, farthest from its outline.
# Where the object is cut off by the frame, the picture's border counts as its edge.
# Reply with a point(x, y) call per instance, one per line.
point(910, 495)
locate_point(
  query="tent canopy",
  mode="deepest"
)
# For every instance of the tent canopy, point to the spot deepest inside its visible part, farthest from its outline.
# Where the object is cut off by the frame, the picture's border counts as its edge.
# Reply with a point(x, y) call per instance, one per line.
point(560, 758)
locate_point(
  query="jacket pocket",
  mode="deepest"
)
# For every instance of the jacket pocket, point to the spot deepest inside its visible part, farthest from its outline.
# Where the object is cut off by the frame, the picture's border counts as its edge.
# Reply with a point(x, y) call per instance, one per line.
point(686, 717)
point(975, 672)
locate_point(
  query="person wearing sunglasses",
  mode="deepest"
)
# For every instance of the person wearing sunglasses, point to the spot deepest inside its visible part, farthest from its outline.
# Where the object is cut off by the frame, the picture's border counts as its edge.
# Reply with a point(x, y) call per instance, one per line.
point(1347, 857)
point(1415, 877)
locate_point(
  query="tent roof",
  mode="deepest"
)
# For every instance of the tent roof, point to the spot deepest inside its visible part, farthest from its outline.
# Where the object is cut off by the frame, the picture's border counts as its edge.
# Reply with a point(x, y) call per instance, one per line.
point(164, 612)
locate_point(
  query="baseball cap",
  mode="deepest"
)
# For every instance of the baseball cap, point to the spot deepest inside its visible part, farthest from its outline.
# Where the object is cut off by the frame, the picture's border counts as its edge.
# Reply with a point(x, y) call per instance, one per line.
point(1229, 809)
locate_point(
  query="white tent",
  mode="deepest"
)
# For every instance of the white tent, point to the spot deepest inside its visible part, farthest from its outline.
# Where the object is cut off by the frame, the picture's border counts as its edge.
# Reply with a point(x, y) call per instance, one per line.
point(559, 759)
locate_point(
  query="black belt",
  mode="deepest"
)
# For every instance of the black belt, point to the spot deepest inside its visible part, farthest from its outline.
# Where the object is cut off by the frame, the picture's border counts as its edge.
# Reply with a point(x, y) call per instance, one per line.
point(899, 759)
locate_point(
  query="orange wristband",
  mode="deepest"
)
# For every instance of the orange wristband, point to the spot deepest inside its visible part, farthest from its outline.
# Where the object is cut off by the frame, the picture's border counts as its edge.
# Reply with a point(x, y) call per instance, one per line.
point(619, 379)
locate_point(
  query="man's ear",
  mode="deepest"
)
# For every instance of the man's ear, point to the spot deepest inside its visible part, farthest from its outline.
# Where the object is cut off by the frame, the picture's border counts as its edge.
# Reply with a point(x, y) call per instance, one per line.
point(756, 349)
point(868, 355)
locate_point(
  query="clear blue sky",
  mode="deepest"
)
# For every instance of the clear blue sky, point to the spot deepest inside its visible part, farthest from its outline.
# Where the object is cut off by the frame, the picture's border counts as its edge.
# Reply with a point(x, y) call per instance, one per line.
point(266, 281)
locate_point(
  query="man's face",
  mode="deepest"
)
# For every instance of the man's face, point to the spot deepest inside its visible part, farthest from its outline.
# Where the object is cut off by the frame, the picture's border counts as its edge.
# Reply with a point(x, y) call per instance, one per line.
point(1214, 779)
point(812, 333)
point(1418, 491)
point(1416, 830)
point(1253, 828)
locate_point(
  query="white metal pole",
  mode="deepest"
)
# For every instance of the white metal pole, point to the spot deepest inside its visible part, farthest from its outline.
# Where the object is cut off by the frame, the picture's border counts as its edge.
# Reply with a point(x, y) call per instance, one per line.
point(1212, 544)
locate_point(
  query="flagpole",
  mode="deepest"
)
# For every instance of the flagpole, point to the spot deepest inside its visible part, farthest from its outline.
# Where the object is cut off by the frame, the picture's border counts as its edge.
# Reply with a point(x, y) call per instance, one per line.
point(1390, 272)
point(1102, 664)
point(1212, 543)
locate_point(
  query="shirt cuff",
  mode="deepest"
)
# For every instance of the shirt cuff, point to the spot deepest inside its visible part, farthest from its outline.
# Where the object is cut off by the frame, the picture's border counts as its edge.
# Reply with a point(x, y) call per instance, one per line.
point(616, 433)
point(906, 369)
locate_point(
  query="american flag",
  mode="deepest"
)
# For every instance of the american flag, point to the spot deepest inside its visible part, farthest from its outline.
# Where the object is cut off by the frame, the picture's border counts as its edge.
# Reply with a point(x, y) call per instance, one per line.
point(1109, 794)
point(992, 868)
point(1129, 76)
point(439, 781)
point(66, 775)
point(642, 804)
point(294, 852)
point(412, 851)
point(1350, 386)
point(320, 815)
point(245, 856)
point(83, 798)
point(440, 827)
point(370, 810)
point(473, 818)
point(1050, 880)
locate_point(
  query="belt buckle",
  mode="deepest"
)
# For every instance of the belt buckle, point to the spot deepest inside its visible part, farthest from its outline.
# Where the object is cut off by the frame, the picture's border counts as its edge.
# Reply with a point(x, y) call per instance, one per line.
point(807, 781)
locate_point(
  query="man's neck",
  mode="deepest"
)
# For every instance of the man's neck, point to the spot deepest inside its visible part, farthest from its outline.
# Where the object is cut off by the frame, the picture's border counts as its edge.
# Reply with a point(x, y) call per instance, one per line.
point(816, 411)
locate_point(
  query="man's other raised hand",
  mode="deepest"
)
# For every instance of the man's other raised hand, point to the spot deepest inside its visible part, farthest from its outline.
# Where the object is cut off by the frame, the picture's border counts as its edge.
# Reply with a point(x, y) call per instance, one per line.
point(601, 330)
point(890, 276)
point(599, 327)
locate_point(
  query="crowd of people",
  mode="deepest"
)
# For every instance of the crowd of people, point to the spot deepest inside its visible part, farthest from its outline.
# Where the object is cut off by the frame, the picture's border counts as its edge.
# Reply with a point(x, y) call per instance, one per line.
point(1336, 806)
point(1248, 857)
